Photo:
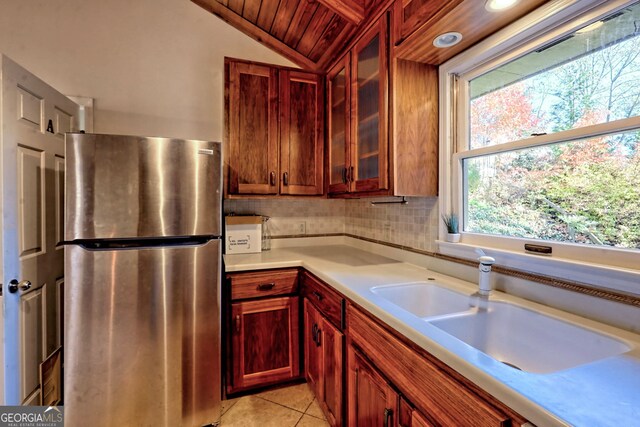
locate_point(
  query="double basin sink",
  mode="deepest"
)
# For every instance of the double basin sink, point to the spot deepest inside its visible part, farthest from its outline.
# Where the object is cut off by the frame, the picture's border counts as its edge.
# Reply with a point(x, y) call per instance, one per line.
point(519, 337)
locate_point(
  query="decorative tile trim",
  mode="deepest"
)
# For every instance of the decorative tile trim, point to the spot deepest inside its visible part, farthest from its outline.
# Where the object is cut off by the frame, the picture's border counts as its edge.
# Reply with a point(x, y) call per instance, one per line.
point(299, 236)
point(543, 280)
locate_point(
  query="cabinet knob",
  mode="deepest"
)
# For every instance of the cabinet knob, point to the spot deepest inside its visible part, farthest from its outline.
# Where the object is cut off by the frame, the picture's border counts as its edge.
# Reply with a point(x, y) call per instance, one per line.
point(238, 323)
point(285, 178)
point(272, 178)
point(344, 175)
point(317, 294)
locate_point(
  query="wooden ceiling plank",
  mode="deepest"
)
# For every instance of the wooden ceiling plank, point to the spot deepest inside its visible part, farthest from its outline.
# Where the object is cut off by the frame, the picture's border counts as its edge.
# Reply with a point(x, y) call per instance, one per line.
point(351, 10)
point(251, 10)
point(267, 14)
point(284, 15)
point(300, 22)
point(315, 30)
point(328, 38)
point(469, 18)
point(256, 33)
point(329, 55)
point(236, 6)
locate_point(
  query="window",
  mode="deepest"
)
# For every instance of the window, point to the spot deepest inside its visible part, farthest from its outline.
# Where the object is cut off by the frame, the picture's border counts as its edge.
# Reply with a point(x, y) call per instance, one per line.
point(544, 140)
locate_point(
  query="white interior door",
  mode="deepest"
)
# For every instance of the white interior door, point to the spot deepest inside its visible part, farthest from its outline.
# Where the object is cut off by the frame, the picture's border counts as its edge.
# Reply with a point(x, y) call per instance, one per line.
point(34, 118)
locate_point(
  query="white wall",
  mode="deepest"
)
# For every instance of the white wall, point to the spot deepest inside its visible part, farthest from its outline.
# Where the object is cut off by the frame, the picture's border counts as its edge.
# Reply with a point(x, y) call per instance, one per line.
point(154, 67)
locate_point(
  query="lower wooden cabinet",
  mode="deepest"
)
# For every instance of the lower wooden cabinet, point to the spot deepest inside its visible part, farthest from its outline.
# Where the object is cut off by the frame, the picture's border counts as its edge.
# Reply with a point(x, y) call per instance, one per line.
point(410, 417)
point(323, 347)
point(265, 342)
point(363, 373)
point(372, 402)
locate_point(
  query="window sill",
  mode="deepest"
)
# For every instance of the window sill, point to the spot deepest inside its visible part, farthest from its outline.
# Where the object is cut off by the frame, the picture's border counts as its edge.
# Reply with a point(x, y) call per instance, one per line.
point(598, 275)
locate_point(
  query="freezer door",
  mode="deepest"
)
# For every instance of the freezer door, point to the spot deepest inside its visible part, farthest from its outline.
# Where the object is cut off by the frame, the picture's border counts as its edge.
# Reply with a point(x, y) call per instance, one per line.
point(142, 336)
point(129, 187)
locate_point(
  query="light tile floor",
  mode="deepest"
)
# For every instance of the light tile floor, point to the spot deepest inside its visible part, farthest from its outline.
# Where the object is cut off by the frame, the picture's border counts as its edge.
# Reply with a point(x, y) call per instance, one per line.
point(284, 407)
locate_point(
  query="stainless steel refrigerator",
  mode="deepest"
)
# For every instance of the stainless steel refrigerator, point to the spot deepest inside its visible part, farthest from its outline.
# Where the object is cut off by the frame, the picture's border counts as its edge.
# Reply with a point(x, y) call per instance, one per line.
point(142, 273)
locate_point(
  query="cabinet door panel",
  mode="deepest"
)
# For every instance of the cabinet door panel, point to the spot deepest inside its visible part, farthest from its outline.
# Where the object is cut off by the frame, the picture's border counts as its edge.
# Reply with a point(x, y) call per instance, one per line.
point(301, 133)
point(372, 402)
point(253, 129)
point(312, 354)
point(370, 110)
point(332, 345)
point(265, 341)
point(259, 328)
point(339, 100)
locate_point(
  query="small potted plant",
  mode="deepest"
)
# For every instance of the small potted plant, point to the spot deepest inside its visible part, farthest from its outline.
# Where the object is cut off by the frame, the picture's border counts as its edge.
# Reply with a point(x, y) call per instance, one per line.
point(451, 222)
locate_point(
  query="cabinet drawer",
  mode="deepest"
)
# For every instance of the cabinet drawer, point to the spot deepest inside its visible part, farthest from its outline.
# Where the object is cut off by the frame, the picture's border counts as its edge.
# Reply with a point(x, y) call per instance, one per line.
point(325, 299)
point(263, 284)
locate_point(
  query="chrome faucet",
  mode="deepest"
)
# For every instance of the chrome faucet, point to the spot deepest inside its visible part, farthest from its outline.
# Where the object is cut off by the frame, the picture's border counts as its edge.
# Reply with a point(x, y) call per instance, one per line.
point(484, 282)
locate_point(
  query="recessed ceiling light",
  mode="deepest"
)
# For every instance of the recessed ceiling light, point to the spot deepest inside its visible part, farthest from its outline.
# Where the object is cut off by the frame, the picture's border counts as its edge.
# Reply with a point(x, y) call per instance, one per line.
point(499, 5)
point(447, 39)
point(590, 27)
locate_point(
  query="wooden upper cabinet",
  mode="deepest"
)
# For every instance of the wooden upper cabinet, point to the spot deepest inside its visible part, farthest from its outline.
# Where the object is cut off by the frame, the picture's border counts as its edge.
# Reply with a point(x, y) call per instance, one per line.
point(274, 120)
point(358, 116)
point(252, 117)
point(339, 138)
point(301, 133)
point(369, 110)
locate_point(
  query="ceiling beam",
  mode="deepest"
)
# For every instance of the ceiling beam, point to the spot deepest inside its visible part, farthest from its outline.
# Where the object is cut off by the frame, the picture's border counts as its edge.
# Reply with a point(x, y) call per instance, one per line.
point(256, 33)
point(351, 10)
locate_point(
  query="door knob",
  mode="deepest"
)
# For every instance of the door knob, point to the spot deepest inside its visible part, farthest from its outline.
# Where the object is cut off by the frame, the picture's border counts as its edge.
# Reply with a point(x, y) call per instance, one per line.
point(14, 285)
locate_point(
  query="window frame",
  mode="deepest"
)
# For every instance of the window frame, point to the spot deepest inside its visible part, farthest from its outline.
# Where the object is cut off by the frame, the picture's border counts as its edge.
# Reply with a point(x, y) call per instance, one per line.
point(602, 266)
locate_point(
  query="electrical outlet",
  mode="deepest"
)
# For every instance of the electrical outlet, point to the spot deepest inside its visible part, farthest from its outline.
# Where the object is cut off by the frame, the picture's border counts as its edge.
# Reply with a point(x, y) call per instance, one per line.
point(302, 227)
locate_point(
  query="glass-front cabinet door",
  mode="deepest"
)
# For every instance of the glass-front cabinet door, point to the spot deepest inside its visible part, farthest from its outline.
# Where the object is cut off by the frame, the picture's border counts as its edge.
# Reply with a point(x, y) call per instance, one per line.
point(370, 109)
point(339, 98)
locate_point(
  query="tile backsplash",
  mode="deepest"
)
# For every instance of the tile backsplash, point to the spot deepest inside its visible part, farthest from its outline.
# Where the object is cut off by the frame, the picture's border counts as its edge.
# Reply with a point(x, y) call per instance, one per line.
point(414, 225)
point(319, 216)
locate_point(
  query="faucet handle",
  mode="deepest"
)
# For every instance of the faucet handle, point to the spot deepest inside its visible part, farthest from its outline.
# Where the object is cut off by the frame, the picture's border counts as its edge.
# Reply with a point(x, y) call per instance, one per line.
point(487, 260)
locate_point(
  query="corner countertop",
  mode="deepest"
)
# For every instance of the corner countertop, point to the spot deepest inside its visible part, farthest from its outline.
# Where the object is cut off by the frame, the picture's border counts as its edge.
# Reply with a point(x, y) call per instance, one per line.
point(602, 393)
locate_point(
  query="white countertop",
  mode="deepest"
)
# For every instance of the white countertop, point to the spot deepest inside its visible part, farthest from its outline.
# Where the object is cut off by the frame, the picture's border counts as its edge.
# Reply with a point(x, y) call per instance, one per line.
point(602, 393)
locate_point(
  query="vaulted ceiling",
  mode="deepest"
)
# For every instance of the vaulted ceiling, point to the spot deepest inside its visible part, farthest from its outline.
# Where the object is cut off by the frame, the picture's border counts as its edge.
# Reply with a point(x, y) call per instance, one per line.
point(308, 32)
point(311, 33)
